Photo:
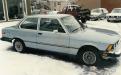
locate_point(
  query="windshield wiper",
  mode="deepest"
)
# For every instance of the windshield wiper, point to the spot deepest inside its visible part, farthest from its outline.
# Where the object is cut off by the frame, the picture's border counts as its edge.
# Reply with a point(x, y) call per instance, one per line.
point(75, 29)
point(82, 25)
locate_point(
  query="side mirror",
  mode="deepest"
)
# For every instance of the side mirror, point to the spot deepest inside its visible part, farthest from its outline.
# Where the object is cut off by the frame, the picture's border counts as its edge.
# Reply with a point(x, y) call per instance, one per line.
point(55, 31)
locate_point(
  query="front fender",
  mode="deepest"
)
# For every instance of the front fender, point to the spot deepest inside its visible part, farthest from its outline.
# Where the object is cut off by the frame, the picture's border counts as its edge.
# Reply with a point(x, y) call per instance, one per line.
point(99, 46)
point(79, 43)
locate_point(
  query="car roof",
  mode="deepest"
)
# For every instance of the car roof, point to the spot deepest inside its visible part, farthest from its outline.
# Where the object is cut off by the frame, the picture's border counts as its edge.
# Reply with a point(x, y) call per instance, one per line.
point(72, 5)
point(98, 8)
point(117, 8)
point(102, 8)
point(50, 15)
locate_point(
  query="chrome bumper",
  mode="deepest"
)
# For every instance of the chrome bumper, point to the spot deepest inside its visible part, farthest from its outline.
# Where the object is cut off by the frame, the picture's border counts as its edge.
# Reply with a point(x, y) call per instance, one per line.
point(114, 19)
point(112, 54)
point(118, 53)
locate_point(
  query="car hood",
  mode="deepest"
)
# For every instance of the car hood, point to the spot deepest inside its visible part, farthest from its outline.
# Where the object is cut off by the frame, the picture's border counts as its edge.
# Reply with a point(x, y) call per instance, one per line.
point(96, 14)
point(97, 35)
point(114, 14)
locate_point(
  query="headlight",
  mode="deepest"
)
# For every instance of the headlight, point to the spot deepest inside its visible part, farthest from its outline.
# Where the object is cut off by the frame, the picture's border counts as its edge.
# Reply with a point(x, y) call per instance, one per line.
point(109, 48)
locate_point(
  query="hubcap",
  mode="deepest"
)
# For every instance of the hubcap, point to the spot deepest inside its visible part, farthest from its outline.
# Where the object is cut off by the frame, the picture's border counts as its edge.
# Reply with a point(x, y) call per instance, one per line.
point(18, 46)
point(89, 57)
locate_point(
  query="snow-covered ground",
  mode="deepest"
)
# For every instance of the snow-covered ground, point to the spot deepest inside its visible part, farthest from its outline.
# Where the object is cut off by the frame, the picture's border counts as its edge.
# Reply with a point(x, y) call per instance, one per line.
point(13, 63)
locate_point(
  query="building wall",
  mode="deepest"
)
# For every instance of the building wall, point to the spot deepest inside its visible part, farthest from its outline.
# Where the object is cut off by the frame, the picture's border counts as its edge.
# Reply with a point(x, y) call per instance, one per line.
point(11, 10)
point(110, 4)
point(1, 10)
point(89, 3)
point(57, 5)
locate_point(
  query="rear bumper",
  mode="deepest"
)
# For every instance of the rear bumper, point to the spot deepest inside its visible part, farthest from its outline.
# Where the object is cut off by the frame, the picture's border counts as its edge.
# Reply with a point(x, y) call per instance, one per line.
point(6, 39)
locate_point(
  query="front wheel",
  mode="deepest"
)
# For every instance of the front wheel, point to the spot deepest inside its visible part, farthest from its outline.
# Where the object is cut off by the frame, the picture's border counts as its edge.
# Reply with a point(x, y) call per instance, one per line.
point(108, 20)
point(83, 20)
point(18, 46)
point(89, 56)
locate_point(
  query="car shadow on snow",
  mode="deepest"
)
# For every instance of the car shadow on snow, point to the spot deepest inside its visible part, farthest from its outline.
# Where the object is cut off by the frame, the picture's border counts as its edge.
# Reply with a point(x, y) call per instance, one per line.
point(105, 63)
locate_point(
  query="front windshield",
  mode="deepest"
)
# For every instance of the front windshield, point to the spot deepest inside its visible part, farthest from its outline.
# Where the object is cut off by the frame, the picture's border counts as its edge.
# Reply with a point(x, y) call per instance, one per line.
point(116, 11)
point(70, 23)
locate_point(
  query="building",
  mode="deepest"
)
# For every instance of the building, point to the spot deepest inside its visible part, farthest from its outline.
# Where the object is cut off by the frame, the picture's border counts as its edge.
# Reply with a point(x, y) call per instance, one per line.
point(17, 9)
point(13, 9)
point(89, 3)
point(110, 4)
point(57, 5)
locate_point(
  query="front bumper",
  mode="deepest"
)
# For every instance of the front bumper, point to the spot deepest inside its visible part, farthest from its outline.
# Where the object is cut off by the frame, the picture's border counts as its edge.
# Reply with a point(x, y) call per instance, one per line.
point(6, 39)
point(114, 19)
point(113, 54)
point(106, 55)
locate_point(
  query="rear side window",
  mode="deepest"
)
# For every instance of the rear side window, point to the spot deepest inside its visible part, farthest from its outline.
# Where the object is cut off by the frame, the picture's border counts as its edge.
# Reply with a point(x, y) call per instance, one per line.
point(30, 23)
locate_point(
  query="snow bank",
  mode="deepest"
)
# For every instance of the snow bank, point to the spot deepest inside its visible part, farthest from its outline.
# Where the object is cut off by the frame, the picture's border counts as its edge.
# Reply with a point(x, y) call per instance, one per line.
point(13, 63)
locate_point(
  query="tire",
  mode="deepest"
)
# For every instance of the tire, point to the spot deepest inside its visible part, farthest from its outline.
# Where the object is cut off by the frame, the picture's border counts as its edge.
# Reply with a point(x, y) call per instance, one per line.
point(101, 18)
point(83, 20)
point(95, 19)
point(98, 18)
point(108, 20)
point(19, 45)
point(89, 56)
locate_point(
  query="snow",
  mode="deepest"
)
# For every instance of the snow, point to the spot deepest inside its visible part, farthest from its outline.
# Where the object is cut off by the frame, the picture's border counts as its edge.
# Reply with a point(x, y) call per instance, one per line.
point(27, 64)
point(14, 63)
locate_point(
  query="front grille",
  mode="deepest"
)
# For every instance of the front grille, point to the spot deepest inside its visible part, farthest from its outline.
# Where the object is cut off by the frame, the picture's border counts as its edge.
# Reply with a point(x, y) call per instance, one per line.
point(115, 45)
point(114, 16)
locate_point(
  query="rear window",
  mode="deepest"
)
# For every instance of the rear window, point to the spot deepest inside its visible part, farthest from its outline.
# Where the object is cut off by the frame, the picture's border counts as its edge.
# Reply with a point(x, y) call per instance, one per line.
point(30, 23)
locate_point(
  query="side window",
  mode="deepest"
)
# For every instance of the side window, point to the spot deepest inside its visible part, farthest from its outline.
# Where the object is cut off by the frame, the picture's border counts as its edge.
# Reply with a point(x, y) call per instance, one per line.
point(49, 24)
point(30, 23)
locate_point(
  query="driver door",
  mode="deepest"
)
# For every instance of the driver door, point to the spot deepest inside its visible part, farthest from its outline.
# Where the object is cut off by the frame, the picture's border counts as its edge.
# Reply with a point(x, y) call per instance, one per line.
point(51, 36)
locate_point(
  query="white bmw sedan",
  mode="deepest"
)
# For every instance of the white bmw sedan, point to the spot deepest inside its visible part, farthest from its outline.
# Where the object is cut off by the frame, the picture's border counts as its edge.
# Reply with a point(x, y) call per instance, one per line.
point(64, 34)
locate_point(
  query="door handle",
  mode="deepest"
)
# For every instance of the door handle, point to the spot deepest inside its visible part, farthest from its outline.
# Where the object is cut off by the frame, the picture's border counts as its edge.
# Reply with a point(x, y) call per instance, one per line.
point(40, 33)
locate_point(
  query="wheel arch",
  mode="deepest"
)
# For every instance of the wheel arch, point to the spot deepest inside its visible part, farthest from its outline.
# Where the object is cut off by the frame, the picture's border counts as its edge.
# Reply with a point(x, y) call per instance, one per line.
point(22, 48)
point(86, 46)
point(17, 39)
